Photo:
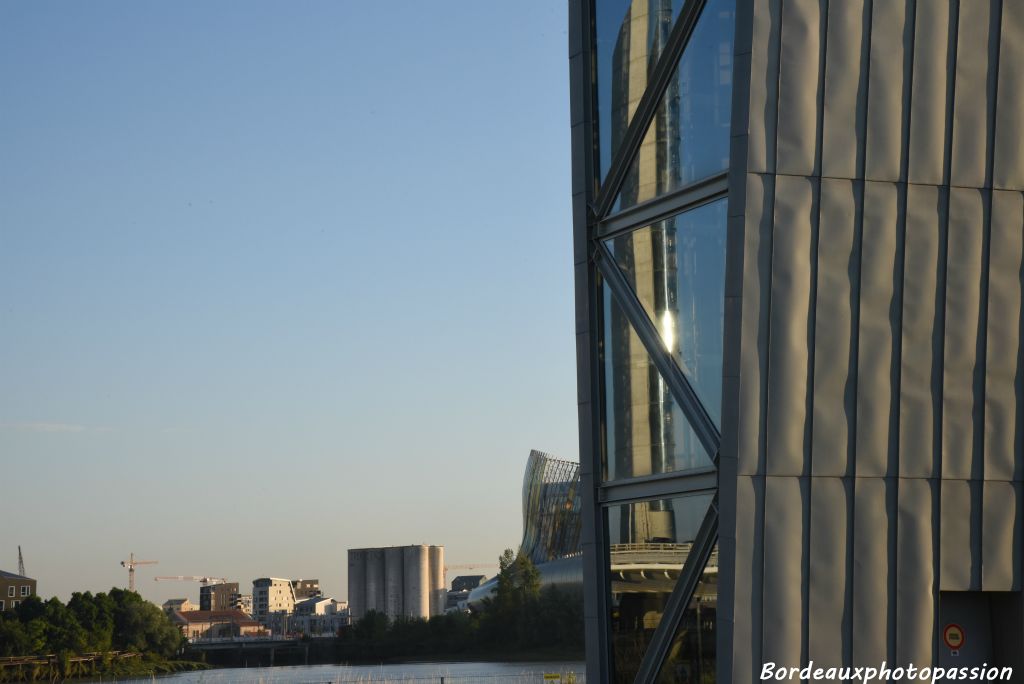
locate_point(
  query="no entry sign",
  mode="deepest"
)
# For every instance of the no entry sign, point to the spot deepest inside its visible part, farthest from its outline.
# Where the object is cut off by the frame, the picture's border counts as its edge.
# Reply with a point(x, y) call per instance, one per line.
point(954, 637)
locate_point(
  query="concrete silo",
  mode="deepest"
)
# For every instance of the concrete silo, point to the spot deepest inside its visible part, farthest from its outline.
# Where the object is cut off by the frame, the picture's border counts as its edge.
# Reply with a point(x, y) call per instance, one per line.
point(437, 587)
point(375, 580)
point(394, 564)
point(417, 581)
point(357, 583)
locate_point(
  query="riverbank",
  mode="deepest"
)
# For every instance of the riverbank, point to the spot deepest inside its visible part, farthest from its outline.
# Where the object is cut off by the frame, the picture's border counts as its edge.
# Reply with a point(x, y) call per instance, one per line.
point(343, 652)
point(91, 666)
point(409, 673)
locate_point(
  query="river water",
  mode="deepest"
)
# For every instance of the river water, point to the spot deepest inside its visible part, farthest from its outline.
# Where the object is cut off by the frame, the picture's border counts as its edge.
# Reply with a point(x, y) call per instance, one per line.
point(410, 673)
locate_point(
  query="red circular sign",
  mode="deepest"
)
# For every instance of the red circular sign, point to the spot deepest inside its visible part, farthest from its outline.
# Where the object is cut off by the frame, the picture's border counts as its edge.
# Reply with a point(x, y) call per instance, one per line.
point(954, 636)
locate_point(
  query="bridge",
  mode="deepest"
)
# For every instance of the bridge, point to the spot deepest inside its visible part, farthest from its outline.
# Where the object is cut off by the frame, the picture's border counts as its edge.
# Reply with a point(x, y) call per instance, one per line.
point(249, 651)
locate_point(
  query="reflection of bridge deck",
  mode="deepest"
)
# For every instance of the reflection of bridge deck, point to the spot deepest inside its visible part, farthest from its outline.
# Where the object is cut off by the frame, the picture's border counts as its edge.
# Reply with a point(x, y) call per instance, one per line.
point(653, 567)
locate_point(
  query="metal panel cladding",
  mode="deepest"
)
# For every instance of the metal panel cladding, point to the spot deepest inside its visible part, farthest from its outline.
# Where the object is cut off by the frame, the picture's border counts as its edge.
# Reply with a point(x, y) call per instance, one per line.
point(551, 509)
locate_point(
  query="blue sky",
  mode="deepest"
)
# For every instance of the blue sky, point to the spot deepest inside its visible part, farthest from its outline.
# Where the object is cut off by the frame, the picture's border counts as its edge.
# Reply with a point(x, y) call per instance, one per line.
point(278, 280)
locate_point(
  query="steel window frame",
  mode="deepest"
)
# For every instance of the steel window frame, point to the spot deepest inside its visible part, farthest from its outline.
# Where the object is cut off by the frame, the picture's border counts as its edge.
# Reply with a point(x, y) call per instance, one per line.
point(646, 109)
point(593, 225)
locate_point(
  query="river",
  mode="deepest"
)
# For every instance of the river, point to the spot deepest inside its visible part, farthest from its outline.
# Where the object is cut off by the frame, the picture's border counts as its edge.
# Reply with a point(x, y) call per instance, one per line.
point(411, 673)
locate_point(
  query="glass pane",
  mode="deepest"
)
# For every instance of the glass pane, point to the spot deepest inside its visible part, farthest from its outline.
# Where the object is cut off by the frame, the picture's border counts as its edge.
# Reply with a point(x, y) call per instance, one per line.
point(649, 541)
point(630, 37)
point(645, 430)
point(691, 657)
point(689, 136)
point(677, 270)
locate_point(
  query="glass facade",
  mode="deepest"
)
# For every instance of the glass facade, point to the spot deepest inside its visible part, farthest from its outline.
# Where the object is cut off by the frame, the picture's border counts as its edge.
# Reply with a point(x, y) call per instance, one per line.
point(658, 284)
point(649, 542)
point(676, 268)
point(689, 137)
point(646, 431)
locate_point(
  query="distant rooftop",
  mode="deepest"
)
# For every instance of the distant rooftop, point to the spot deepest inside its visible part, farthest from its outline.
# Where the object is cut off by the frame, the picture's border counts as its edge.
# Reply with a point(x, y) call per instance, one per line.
point(236, 616)
point(10, 575)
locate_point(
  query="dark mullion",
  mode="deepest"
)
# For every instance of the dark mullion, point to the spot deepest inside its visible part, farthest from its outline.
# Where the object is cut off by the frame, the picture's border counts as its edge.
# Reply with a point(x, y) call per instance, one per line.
point(678, 385)
point(690, 197)
point(648, 106)
point(660, 486)
point(679, 600)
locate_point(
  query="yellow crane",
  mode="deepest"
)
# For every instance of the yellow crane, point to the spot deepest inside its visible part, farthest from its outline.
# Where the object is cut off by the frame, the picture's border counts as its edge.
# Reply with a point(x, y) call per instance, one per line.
point(131, 564)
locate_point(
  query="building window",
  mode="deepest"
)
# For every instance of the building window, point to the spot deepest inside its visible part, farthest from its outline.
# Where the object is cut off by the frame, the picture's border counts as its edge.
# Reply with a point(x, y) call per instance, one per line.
point(25, 589)
point(1, 605)
point(10, 590)
point(658, 280)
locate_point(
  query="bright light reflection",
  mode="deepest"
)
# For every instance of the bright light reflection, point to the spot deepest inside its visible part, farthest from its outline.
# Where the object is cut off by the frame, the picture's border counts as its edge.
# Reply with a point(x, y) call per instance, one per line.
point(668, 330)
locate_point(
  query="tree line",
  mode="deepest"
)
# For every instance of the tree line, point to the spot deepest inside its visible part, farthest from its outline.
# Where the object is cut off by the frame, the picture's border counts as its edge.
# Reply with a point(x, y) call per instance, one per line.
point(116, 621)
point(519, 617)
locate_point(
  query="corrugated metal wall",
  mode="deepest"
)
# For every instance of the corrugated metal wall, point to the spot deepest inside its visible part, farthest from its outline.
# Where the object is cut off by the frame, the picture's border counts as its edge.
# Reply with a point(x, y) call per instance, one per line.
point(872, 418)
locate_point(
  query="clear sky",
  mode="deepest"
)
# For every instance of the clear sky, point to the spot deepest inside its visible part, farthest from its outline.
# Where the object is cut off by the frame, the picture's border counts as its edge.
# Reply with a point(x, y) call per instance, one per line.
point(277, 280)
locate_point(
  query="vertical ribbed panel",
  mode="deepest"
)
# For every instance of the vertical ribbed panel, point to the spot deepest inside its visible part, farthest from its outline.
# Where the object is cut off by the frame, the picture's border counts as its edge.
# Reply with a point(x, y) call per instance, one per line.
point(1008, 170)
point(928, 101)
point(1001, 536)
point(746, 656)
point(838, 276)
point(799, 65)
point(915, 572)
point(764, 87)
point(877, 357)
point(757, 267)
point(789, 344)
point(955, 535)
point(846, 78)
point(872, 568)
point(1003, 375)
point(889, 77)
point(974, 92)
point(962, 379)
point(828, 630)
point(920, 366)
point(784, 577)
point(881, 387)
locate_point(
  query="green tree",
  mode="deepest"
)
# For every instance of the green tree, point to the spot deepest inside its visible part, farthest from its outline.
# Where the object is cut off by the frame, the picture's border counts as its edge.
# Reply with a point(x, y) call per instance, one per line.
point(373, 626)
point(95, 614)
point(63, 632)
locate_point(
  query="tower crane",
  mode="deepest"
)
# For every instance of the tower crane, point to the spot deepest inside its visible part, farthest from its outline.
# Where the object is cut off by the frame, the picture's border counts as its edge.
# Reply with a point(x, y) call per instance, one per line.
point(21, 563)
point(191, 578)
point(131, 564)
point(466, 566)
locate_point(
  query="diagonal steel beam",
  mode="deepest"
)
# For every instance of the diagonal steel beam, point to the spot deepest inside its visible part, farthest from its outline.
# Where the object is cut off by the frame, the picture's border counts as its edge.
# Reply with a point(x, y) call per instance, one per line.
point(678, 385)
point(648, 106)
point(680, 598)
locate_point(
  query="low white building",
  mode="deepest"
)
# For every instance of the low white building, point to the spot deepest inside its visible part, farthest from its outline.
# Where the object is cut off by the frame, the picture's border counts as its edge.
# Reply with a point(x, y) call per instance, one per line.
point(180, 605)
point(318, 616)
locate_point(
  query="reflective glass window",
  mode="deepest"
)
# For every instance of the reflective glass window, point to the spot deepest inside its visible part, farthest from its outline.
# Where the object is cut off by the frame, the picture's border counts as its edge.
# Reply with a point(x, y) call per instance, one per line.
point(689, 136)
point(677, 270)
point(649, 542)
point(630, 36)
point(691, 657)
point(645, 430)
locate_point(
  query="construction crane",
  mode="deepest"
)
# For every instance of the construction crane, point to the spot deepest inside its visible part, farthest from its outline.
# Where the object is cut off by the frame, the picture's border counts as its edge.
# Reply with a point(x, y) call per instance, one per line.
point(131, 564)
point(191, 578)
point(466, 566)
point(21, 563)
